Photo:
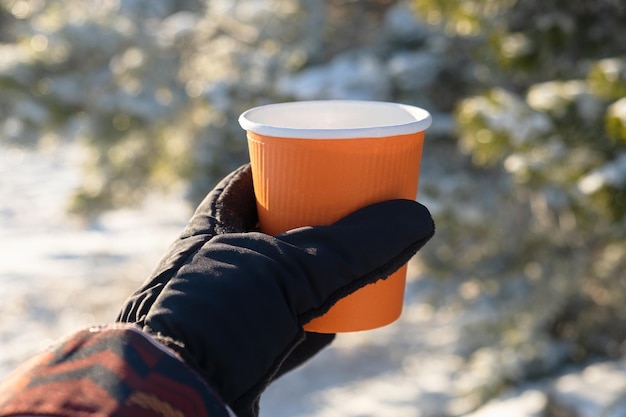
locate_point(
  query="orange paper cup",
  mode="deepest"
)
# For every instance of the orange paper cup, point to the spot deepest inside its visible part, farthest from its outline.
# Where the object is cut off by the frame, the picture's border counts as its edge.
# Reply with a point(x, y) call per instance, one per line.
point(314, 162)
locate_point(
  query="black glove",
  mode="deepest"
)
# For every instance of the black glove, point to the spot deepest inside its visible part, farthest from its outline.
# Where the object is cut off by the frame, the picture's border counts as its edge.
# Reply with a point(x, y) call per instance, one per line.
point(233, 304)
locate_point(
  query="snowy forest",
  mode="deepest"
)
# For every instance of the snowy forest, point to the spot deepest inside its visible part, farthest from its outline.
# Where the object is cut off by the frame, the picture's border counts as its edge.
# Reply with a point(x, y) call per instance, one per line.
point(516, 307)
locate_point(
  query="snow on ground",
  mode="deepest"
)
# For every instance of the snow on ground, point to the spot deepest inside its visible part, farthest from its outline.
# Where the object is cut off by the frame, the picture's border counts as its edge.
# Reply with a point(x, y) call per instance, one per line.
point(57, 274)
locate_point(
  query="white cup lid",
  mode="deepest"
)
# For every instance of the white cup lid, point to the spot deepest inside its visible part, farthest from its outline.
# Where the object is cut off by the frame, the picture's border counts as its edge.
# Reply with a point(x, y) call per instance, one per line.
point(335, 119)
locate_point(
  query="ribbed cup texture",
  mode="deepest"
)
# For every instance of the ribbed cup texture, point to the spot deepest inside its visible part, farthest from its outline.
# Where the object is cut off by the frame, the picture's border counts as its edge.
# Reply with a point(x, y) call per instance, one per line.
point(308, 182)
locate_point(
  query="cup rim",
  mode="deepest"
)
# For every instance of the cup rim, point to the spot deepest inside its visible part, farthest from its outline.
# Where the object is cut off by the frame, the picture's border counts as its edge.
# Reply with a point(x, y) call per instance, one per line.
point(415, 119)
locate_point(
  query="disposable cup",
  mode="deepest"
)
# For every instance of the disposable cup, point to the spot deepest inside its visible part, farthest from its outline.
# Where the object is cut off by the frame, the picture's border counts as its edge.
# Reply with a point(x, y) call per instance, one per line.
point(314, 162)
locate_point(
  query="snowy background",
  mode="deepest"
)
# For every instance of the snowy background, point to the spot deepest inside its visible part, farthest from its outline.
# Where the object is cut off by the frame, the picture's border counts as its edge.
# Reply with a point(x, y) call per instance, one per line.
point(57, 273)
point(124, 113)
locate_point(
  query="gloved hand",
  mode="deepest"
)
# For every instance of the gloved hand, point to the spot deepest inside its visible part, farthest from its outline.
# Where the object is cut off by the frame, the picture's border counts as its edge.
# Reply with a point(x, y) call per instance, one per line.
point(232, 301)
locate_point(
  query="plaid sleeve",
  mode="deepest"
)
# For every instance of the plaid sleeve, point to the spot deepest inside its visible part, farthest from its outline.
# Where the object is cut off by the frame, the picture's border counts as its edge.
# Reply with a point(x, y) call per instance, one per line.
point(108, 371)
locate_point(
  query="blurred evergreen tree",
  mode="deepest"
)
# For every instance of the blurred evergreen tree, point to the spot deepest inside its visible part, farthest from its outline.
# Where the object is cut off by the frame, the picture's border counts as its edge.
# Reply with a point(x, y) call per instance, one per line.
point(548, 109)
point(155, 87)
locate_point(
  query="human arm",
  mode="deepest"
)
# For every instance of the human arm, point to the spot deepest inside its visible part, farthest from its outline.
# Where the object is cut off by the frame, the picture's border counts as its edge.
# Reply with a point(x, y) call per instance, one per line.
point(231, 301)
